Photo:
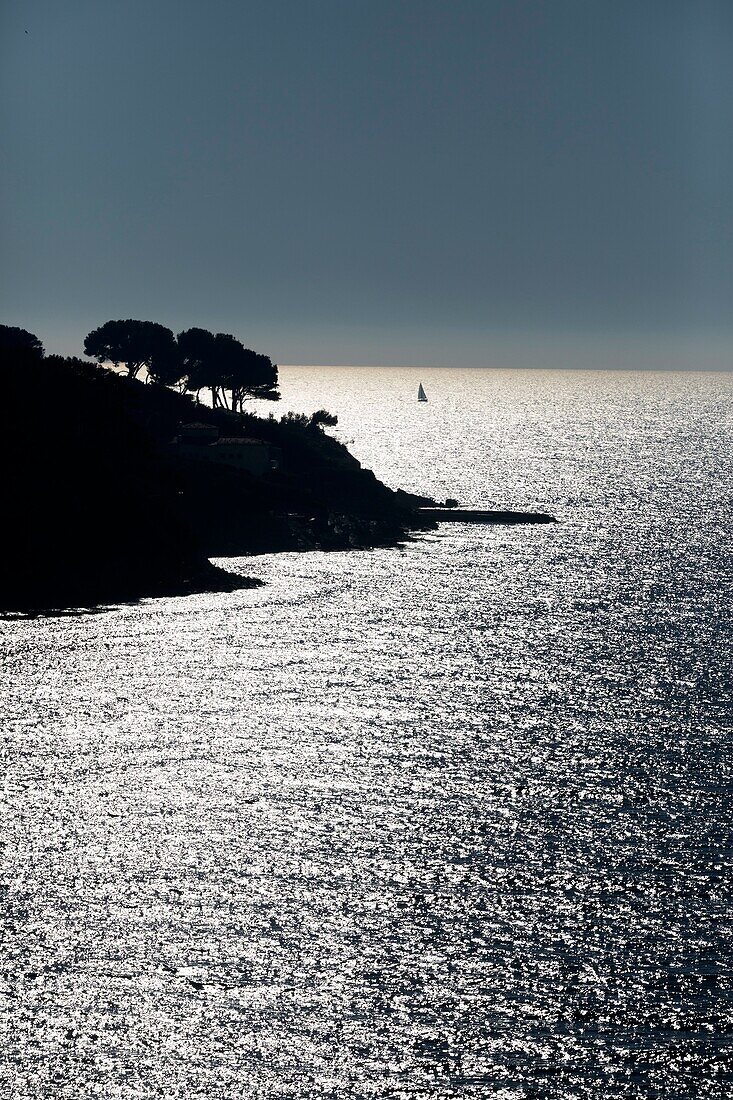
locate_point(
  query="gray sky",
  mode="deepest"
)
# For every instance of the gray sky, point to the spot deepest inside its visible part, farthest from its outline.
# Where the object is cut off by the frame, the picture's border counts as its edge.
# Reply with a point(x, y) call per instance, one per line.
point(501, 182)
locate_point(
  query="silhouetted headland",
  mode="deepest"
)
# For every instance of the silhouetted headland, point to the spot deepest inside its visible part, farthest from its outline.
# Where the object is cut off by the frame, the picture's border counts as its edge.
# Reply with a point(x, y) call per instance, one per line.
point(125, 488)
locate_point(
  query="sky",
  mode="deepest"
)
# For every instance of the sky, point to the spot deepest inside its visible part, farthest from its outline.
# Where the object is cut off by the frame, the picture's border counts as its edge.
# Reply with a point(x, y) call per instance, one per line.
point(491, 183)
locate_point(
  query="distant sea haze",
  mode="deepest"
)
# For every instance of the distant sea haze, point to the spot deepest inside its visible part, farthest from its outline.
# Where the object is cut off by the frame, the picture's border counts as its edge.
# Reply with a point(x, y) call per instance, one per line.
point(446, 819)
point(548, 351)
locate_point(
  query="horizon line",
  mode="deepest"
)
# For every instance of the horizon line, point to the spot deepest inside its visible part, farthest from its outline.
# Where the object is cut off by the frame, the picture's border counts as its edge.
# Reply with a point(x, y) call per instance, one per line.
point(488, 366)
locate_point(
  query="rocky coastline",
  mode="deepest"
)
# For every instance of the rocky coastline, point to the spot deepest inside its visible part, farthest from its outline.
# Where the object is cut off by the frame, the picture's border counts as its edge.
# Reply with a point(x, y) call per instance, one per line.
point(102, 507)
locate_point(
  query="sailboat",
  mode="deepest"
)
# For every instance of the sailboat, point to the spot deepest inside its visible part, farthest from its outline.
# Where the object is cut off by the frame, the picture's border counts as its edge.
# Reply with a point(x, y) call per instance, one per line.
point(421, 395)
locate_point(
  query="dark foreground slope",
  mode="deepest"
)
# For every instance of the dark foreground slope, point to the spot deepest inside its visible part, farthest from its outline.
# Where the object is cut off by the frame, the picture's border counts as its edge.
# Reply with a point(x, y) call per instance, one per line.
point(97, 506)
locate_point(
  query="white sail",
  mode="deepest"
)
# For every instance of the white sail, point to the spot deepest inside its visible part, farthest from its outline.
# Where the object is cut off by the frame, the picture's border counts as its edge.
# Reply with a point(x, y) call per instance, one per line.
point(421, 395)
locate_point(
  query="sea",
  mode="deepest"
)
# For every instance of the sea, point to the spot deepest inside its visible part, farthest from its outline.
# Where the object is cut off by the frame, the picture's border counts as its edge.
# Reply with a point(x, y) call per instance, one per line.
point(449, 820)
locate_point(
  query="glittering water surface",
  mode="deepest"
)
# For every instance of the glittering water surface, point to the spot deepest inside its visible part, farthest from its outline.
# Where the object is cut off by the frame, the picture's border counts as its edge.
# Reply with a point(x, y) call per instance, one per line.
point(446, 821)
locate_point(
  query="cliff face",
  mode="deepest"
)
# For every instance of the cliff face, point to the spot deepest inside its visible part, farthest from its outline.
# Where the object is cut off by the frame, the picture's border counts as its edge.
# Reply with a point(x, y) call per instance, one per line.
point(99, 507)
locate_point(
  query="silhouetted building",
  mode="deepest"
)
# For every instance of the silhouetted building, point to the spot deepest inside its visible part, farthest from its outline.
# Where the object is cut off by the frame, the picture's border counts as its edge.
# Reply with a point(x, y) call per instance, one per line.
point(196, 434)
point(203, 441)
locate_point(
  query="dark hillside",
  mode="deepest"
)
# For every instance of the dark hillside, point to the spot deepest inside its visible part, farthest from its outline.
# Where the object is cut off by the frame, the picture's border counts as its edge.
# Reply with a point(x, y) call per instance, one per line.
point(99, 506)
point(91, 513)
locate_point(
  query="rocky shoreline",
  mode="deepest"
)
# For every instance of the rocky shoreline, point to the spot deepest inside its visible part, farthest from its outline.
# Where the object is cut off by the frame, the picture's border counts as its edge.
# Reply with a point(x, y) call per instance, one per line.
point(103, 507)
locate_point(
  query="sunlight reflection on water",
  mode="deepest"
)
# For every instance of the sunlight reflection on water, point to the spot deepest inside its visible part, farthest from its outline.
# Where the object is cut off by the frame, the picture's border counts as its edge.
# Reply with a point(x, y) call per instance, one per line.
point(451, 820)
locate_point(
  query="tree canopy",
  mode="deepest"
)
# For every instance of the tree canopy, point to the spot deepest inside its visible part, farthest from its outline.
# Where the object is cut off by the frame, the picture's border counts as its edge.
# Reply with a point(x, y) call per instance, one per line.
point(246, 372)
point(220, 362)
point(322, 418)
point(198, 354)
point(196, 358)
point(137, 344)
point(19, 340)
point(166, 366)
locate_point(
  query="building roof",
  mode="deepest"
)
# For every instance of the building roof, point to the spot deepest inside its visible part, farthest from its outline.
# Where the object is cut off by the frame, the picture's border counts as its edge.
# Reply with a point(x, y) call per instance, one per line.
point(240, 441)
